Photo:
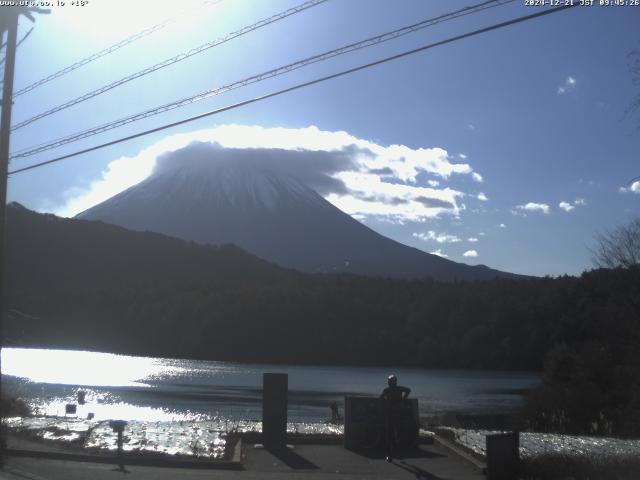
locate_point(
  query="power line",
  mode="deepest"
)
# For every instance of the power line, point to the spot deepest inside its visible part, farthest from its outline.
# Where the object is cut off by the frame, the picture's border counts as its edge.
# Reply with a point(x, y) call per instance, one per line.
point(111, 49)
point(24, 37)
point(209, 93)
point(260, 77)
point(300, 85)
point(171, 61)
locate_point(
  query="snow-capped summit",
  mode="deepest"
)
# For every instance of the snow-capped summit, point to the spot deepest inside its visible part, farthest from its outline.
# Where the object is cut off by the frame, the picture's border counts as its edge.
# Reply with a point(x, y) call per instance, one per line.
point(269, 213)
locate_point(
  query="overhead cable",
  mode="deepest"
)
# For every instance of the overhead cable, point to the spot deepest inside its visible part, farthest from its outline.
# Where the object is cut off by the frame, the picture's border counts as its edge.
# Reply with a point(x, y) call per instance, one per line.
point(110, 49)
point(24, 37)
point(170, 61)
point(299, 86)
point(258, 78)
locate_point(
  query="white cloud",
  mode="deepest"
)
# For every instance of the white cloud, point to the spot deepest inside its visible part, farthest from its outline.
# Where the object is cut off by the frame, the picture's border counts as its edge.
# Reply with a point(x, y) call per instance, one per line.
point(438, 237)
point(472, 239)
point(119, 175)
point(502, 225)
point(440, 253)
point(358, 176)
point(532, 207)
point(633, 188)
point(471, 126)
point(369, 195)
point(567, 207)
point(482, 196)
point(462, 156)
point(477, 177)
point(470, 253)
point(568, 85)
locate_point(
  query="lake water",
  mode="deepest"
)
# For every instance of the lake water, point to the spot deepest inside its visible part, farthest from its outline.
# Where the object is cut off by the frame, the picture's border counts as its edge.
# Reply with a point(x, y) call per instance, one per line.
point(161, 390)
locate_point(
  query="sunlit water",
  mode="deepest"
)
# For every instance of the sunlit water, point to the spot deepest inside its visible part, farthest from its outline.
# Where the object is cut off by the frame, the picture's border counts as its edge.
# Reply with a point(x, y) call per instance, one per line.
point(185, 406)
point(159, 389)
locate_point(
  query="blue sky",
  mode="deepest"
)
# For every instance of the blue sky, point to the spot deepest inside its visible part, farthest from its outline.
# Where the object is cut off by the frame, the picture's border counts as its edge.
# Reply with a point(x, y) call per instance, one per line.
point(521, 131)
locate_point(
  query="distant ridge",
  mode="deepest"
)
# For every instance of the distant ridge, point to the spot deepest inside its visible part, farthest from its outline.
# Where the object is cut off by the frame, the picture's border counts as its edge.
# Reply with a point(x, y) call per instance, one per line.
point(214, 199)
point(49, 252)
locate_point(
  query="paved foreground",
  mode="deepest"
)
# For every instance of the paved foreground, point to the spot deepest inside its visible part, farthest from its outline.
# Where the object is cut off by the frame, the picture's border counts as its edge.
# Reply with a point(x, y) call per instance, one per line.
point(429, 462)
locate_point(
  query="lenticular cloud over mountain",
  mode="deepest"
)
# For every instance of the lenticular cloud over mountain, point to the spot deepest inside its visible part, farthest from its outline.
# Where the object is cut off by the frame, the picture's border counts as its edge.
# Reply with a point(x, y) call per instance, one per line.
point(273, 202)
point(359, 177)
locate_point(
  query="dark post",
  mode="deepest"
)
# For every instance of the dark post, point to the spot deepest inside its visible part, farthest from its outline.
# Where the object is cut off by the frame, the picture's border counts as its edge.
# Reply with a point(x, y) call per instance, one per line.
point(11, 24)
point(8, 23)
point(118, 427)
point(274, 409)
point(503, 456)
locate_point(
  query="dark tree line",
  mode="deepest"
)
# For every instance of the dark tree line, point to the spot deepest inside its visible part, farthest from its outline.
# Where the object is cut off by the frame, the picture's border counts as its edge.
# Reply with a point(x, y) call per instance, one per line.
point(500, 324)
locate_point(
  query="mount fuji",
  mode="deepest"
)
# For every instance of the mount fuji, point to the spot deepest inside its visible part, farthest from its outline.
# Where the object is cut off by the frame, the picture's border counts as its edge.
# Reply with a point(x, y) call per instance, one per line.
point(271, 214)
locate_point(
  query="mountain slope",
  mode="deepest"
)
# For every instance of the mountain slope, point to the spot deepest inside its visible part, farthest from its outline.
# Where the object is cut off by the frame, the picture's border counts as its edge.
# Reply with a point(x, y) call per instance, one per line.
point(48, 252)
point(270, 214)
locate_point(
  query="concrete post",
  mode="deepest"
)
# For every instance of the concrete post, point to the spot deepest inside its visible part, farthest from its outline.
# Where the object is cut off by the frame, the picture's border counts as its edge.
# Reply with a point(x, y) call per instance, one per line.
point(274, 408)
point(503, 456)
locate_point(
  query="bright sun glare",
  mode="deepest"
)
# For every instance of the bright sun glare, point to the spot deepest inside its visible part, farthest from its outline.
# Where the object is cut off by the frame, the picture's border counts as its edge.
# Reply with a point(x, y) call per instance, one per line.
point(67, 367)
point(113, 20)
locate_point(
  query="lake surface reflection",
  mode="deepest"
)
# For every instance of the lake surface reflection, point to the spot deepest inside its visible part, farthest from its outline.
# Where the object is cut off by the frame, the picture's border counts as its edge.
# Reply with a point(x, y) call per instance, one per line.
point(160, 389)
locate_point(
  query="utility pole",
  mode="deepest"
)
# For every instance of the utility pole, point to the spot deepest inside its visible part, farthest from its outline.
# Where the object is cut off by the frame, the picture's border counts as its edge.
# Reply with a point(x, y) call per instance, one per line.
point(9, 23)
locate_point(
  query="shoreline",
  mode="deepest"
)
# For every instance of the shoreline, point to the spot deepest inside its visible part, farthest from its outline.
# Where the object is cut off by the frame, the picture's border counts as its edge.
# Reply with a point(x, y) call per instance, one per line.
point(196, 439)
point(19, 446)
point(539, 452)
point(268, 363)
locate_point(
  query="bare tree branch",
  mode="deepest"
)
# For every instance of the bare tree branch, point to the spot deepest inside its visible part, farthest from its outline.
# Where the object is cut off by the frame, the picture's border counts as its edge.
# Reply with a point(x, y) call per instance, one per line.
point(619, 247)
